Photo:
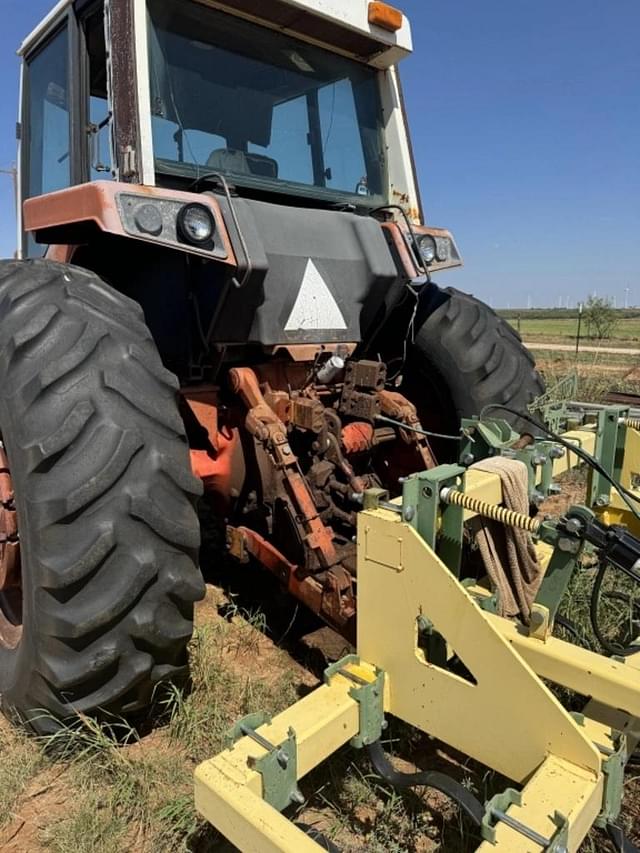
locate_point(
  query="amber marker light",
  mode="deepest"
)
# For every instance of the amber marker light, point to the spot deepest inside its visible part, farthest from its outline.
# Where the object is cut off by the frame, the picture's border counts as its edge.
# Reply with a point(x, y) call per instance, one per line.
point(385, 16)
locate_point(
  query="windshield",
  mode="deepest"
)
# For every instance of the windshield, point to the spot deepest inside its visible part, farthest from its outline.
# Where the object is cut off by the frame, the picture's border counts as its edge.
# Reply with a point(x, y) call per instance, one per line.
point(263, 108)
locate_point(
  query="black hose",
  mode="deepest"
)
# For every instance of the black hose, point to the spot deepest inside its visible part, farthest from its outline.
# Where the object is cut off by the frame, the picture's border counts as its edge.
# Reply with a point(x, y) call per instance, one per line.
point(321, 840)
point(624, 493)
point(570, 628)
point(470, 805)
point(607, 645)
point(619, 839)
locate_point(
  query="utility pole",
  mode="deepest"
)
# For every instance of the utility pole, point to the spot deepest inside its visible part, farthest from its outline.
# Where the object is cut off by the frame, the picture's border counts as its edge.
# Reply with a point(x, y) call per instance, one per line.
point(14, 174)
point(579, 326)
point(626, 297)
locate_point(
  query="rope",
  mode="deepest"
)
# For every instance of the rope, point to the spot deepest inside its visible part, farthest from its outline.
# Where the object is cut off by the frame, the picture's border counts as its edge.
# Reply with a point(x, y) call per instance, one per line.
point(508, 517)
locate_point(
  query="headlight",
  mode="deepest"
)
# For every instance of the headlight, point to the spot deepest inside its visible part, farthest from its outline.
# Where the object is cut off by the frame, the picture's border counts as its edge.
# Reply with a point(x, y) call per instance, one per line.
point(196, 224)
point(149, 219)
point(427, 246)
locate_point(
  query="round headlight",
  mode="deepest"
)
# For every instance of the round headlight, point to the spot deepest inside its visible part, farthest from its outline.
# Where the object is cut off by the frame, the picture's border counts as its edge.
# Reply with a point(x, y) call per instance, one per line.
point(427, 246)
point(196, 224)
point(148, 219)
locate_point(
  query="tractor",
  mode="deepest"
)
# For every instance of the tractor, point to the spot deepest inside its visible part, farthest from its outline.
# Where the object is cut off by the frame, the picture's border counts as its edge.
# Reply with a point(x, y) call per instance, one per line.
point(223, 284)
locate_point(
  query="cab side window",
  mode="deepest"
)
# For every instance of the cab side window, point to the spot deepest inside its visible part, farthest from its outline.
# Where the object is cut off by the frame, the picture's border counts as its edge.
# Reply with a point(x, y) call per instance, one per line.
point(48, 148)
point(99, 130)
point(49, 126)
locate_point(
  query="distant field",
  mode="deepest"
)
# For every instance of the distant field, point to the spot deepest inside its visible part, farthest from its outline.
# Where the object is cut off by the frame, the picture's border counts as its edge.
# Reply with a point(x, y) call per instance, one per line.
point(563, 328)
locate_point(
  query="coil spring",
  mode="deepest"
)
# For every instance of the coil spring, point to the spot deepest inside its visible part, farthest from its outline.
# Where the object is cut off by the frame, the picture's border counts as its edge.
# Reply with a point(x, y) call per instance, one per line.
point(508, 517)
point(632, 423)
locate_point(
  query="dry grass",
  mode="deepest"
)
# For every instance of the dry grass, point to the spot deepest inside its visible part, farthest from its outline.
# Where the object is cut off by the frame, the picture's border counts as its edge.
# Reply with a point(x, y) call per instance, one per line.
point(108, 789)
point(21, 758)
point(125, 791)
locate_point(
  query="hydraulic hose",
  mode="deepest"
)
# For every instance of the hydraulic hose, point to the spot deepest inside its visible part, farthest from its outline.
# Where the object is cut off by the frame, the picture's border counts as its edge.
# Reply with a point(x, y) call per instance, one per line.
point(470, 805)
point(321, 840)
point(607, 645)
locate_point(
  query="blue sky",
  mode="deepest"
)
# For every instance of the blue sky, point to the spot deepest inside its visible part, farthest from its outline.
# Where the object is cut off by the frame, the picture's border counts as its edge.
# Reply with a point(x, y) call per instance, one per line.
point(526, 126)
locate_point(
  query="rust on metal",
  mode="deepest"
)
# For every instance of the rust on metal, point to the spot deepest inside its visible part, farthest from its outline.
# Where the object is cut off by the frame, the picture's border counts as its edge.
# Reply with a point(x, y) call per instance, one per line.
point(203, 402)
point(10, 567)
point(398, 245)
point(97, 203)
point(333, 597)
point(308, 352)
point(357, 437)
point(124, 77)
point(264, 424)
point(63, 254)
point(396, 406)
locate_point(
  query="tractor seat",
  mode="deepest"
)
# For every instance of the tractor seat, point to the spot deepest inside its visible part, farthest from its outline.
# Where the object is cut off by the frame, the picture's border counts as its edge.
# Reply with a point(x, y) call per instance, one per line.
point(242, 163)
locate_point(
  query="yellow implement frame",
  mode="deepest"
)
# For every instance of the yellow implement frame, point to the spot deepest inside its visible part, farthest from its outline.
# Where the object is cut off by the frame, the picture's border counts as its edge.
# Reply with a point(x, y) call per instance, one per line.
point(502, 714)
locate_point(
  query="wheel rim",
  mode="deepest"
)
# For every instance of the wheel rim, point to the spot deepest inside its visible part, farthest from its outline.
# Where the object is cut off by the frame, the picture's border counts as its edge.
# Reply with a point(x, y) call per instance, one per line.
point(10, 564)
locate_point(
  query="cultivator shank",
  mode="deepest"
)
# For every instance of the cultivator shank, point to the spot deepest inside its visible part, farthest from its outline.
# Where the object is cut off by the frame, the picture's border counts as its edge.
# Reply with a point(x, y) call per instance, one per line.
point(432, 651)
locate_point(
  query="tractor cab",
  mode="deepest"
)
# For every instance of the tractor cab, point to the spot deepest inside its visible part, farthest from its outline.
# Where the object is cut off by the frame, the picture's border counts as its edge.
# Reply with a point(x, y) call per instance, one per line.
point(271, 146)
point(302, 105)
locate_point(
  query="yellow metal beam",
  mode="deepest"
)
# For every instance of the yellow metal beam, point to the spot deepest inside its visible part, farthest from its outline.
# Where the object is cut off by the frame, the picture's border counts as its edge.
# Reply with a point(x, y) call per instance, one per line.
point(228, 793)
point(556, 786)
point(582, 438)
point(507, 719)
point(617, 511)
point(614, 683)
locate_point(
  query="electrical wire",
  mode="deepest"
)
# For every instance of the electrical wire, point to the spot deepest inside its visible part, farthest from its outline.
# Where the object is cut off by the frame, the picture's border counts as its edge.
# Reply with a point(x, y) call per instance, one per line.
point(607, 645)
point(626, 496)
point(427, 433)
point(412, 233)
point(409, 335)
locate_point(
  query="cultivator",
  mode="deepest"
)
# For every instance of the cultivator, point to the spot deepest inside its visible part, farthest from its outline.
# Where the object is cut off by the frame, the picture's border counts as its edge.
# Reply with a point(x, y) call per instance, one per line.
point(433, 652)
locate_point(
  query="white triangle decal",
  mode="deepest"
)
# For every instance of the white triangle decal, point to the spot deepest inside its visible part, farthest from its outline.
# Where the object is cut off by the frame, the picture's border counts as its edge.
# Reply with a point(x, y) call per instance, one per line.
point(315, 306)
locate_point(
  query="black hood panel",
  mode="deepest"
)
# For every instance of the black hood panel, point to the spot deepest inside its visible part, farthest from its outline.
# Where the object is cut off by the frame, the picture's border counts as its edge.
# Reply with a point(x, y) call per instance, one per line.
point(318, 276)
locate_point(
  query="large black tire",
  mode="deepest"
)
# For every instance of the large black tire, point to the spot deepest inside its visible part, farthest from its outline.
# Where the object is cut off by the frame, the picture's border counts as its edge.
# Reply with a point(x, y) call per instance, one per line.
point(465, 357)
point(105, 500)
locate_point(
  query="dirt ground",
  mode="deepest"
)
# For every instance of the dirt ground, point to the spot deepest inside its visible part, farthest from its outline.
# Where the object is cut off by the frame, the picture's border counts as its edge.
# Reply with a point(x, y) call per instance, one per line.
point(56, 811)
point(254, 650)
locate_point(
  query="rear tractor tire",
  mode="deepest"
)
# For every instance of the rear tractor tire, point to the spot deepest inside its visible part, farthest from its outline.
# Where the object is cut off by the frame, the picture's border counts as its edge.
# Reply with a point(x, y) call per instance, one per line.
point(98, 532)
point(465, 357)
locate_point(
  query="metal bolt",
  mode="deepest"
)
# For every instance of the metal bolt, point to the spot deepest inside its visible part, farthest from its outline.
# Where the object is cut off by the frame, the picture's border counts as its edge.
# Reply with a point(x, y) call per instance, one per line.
point(467, 459)
point(555, 489)
point(537, 498)
point(602, 500)
point(297, 797)
point(573, 525)
point(409, 513)
point(568, 546)
point(539, 459)
point(537, 619)
point(556, 452)
point(427, 492)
